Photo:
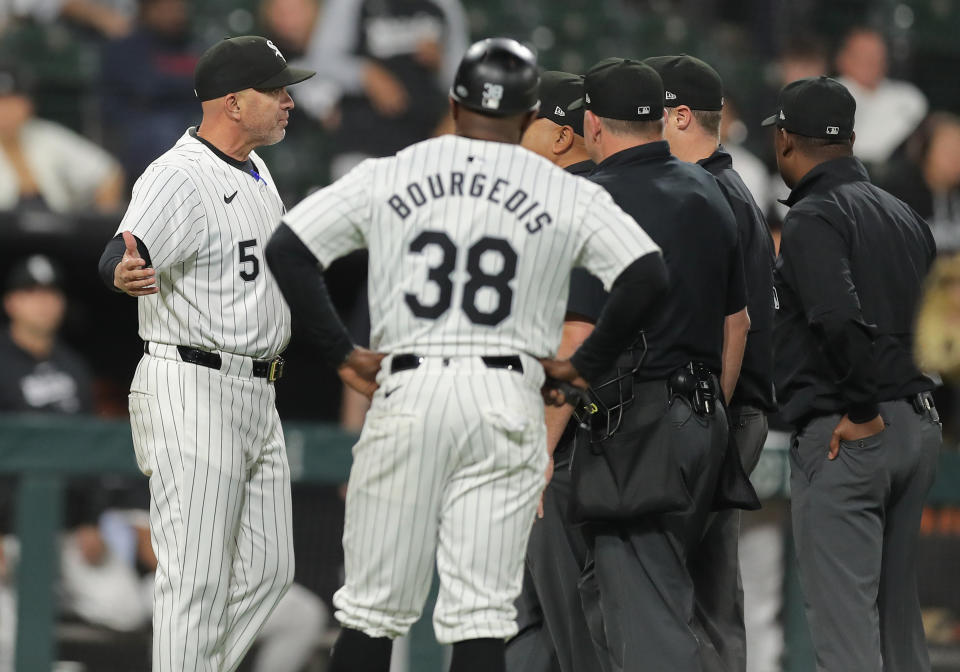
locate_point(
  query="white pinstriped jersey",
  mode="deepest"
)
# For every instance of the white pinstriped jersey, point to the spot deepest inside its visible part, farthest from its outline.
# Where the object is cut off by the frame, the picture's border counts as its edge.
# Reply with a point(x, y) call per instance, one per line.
point(471, 244)
point(205, 223)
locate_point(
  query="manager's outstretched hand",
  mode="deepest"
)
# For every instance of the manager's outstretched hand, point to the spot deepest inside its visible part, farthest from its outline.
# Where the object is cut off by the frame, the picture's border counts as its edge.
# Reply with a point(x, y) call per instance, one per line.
point(130, 276)
point(360, 370)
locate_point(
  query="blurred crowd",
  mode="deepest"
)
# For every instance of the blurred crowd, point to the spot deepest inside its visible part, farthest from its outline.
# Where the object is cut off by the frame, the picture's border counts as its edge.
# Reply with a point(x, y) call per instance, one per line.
point(91, 91)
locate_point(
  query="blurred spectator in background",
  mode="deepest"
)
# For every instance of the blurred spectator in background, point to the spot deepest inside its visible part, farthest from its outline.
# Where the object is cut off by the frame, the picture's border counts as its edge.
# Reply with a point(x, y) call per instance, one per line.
point(887, 110)
point(47, 166)
point(290, 24)
point(938, 323)
point(41, 374)
point(393, 62)
point(94, 14)
point(147, 84)
point(926, 176)
point(803, 56)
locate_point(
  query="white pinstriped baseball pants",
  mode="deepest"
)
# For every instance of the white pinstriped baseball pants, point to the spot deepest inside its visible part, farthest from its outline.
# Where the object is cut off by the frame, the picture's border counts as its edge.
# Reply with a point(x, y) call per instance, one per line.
point(450, 465)
point(220, 518)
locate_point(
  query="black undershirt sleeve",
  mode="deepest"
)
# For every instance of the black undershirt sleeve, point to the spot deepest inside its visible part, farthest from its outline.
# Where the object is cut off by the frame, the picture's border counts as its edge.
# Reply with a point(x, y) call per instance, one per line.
point(300, 277)
point(113, 254)
point(634, 292)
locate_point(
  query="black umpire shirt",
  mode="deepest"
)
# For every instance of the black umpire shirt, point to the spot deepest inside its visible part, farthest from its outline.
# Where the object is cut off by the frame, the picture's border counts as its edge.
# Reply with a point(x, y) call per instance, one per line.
point(684, 211)
point(755, 387)
point(585, 302)
point(849, 277)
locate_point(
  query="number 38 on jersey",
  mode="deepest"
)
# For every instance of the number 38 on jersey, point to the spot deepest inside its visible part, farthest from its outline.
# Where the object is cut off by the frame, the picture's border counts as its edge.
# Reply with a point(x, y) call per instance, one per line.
point(487, 295)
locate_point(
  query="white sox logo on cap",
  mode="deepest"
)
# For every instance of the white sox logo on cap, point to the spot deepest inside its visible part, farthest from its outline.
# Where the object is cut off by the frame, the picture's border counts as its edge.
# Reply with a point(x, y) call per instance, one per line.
point(276, 51)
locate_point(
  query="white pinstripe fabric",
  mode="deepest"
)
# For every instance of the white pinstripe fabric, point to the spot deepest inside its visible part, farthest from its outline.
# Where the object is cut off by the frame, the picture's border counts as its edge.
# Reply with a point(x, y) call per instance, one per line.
point(220, 514)
point(450, 465)
point(179, 211)
point(587, 229)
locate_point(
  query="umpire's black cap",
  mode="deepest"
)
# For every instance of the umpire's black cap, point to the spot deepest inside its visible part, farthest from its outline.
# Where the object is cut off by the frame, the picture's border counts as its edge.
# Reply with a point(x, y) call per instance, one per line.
point(619, 88)
point(561, 99)
point(247, 62)
point(817, 107)
point(688, 81)
point(36, 270)
point(497, 77)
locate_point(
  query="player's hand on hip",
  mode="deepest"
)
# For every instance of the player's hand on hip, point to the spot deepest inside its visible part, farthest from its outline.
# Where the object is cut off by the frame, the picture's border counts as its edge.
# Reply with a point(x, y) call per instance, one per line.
point(130, 276)
point(563, 371)
point(848, 430)
point(360, 370)
point(547, 476)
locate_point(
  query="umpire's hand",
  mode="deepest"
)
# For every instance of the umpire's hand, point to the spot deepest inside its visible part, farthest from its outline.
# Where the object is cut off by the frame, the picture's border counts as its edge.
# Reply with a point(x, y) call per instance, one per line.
point(563, 372)
point(360, 370)
point(848, 430)
point(130, 276)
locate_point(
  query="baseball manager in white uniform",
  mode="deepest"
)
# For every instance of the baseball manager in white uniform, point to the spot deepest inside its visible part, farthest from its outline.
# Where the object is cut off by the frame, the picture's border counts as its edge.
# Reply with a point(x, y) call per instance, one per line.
point(202, 401)
point(472, 239)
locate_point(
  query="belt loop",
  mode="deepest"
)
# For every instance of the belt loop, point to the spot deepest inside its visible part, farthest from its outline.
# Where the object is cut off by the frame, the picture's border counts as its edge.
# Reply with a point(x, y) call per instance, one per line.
point(146, 347)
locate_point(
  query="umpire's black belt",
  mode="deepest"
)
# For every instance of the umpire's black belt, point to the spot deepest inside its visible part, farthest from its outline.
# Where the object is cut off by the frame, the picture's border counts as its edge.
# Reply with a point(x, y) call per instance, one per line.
point(408, 361)
point(271, 369)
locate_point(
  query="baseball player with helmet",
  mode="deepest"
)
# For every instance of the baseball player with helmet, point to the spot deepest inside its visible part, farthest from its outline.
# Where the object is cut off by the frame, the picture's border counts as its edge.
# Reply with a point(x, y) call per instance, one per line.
point(213, 322)
point(471, 241)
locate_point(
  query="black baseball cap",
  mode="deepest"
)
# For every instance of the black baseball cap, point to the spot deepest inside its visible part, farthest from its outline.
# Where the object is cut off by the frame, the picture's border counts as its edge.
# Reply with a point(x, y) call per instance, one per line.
point(817, 107)
point(14, 82)
point(688, 81)
point(37, 270)
point(247, 62)
point(619, 88)
point(561, 99)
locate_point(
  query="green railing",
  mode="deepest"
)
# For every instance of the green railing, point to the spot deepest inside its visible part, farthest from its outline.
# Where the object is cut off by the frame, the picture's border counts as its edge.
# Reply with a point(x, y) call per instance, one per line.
point(43, 451)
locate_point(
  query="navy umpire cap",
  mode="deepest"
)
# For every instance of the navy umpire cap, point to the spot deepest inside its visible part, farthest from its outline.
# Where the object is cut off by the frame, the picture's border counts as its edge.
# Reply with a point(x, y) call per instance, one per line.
point(561, 99)
point(247, 62)
point(619, 88)
point(497, 77)
point(816, 107)
point(688, 81)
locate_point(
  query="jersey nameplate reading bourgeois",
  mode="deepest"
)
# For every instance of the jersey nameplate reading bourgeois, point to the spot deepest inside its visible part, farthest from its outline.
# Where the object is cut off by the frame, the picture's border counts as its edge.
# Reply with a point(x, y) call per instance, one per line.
point(515, 201)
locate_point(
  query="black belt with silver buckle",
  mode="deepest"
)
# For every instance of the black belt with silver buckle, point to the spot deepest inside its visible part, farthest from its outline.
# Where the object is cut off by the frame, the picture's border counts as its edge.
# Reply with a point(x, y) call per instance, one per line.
point(407, 362)
point(271, 369)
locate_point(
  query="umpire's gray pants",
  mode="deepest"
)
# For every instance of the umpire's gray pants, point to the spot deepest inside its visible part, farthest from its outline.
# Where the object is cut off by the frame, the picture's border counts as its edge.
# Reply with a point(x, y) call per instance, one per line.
point(553, 632)
point(636, 588)
point(714, 566)
point(856, 521)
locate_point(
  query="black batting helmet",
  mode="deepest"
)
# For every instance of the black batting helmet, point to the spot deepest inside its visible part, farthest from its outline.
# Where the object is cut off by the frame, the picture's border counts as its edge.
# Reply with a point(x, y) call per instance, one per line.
point(497, 77)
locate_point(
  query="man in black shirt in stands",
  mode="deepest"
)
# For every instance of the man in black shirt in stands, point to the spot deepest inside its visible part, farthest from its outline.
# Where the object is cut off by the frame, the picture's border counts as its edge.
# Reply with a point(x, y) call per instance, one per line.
point(849, 276)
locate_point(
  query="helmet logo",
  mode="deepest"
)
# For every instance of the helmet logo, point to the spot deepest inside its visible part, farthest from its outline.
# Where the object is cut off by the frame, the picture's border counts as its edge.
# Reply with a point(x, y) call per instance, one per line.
point(492, 95)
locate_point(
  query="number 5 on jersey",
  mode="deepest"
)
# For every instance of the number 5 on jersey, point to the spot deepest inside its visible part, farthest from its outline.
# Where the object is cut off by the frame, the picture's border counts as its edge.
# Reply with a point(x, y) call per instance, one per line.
point(440, 275)
point(248, 273)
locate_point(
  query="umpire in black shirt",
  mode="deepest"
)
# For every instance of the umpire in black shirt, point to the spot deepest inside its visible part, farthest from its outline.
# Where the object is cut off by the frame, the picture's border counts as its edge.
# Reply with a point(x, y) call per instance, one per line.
point(643, 477)
point(852, 261)
point(693, 96)
point(552, 633)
